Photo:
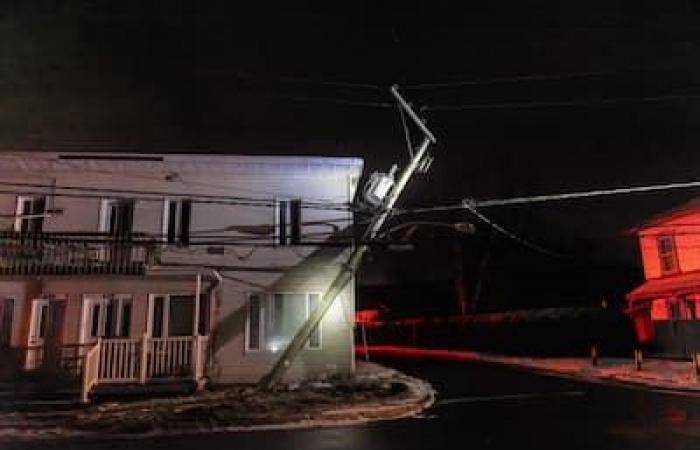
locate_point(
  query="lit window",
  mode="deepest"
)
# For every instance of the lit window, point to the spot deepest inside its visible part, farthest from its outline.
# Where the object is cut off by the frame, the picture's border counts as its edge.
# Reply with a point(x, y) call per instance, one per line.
point(288, 313)
point(312, 302)
point(667, 254)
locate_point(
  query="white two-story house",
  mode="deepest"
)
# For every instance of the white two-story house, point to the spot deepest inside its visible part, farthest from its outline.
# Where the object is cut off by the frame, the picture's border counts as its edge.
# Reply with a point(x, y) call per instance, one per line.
point(146, 268)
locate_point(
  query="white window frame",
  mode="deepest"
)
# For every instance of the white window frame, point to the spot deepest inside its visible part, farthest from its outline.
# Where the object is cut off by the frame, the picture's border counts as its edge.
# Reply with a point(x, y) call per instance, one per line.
point(165, 331)
point(307, 311)
point(19, 209)
point(89, 300)
point(178, 219)
point(673, 254)
point(105, 213)
point(277, 223)
point(261, 323)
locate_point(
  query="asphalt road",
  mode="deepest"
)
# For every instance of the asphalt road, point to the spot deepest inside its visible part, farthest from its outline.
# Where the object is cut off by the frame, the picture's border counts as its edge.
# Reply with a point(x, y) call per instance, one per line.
point(480, 407)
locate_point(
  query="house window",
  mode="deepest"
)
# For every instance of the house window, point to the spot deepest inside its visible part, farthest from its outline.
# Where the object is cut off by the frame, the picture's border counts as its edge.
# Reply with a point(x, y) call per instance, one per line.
point(173, 315)
point(254, 326)
point(110, 316)
point(667, 254)
point(30, 214)
point(288, 312)
point(288, 221)
point(117, 216)
point(43, 320)
point(181, 315)
point(312, 302)
point(690, 308)
point(176, 223)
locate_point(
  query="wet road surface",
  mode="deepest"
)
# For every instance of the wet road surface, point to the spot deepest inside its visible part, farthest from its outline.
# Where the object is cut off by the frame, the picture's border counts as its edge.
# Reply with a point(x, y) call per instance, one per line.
point(479, 407)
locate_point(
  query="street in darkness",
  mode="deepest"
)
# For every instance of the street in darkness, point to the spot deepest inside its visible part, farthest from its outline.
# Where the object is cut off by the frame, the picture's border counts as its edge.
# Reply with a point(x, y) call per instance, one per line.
point(479, 407)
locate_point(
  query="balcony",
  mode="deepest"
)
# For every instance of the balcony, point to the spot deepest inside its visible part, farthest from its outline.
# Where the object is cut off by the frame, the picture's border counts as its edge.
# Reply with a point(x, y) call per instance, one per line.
point(75, 253)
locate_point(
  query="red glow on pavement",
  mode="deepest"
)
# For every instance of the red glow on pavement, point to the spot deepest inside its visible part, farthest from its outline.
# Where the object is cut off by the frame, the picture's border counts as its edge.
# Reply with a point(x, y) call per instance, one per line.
point(417, 352)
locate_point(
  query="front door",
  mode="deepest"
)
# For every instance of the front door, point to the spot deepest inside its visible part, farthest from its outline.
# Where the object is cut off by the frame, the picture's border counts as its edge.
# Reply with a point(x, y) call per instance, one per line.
point(7, 308)
point(46, 322)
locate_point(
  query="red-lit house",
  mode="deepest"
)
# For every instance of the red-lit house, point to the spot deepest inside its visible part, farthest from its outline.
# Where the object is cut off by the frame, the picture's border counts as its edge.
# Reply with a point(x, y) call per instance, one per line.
point(665, 307)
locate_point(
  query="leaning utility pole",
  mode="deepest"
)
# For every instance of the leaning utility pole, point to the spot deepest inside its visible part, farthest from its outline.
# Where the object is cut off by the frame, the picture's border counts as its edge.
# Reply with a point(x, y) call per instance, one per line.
point(348, 269)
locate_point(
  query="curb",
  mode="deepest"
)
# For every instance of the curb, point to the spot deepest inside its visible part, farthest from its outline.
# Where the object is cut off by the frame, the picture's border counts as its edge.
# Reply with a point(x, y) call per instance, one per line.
point(422, 396)
point(475, 357)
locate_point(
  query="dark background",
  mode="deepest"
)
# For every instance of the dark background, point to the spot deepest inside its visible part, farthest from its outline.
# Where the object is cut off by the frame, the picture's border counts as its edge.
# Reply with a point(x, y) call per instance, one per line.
point(178, 76)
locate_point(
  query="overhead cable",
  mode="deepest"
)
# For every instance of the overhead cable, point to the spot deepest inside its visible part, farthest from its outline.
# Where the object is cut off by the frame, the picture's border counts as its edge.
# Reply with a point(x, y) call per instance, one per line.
point(520, 240)
point(535, 77)
point(563, 104)
point(157, 196)
point(551, 197)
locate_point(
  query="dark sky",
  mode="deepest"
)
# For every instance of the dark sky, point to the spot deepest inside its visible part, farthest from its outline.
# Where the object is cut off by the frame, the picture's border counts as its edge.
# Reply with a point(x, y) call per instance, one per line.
point(199, 75)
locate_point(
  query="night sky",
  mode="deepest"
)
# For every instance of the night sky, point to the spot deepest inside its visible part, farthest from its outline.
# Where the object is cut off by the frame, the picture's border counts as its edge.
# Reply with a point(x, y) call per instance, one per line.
point(214, 76)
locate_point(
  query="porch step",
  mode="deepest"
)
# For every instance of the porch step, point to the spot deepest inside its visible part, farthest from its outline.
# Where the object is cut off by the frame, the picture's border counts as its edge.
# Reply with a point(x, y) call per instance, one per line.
point(150, 389)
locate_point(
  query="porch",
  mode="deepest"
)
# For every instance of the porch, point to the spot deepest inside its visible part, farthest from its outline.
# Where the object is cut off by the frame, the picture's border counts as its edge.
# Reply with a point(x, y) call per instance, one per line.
point(121, 365)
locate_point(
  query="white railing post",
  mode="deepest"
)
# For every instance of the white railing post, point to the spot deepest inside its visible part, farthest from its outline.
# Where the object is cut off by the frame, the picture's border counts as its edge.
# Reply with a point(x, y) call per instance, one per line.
point(198, 360)
point(143, 363)
point(91, 371)
point(194, 363)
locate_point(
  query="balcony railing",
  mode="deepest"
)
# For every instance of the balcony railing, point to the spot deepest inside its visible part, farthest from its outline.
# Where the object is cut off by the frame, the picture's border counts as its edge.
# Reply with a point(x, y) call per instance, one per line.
point(75, 253)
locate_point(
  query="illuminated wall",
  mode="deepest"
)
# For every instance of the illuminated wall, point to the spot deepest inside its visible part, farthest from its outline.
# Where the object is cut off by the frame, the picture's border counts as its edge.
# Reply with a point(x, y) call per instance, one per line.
point(685, 230)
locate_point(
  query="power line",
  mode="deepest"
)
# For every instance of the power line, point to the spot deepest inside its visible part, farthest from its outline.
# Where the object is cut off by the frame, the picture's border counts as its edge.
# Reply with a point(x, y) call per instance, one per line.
point(302, 80)
point(506, 79)
point(520, 240)
point(583, 194)
point(154, 193)
point(322, 100)
point(562, 104)
point(535, 77)
point(156, 196)
point(464, 204)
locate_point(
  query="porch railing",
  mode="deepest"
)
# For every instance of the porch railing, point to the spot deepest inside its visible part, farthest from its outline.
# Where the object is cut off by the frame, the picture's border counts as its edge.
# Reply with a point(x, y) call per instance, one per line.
point(91, 370)
point(75, 253)
point(171, 357)
point(119, 360)
point(143, 360)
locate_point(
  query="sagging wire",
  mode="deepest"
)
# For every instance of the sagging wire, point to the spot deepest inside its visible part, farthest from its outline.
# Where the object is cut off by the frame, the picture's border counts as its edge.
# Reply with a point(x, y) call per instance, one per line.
point(522, 241)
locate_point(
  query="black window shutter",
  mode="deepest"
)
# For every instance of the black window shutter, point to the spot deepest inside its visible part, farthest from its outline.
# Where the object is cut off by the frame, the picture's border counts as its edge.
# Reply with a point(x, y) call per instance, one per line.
point(172, 221)
point(39, 208)
point(295, 221)
point(185, 219)
point(282, 207)
point(24, 223)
